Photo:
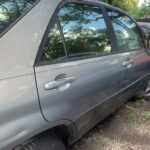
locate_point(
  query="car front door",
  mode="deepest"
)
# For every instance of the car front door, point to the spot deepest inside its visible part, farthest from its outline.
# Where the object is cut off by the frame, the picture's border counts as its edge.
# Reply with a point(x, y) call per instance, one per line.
point(76, 70)
point(130, 43)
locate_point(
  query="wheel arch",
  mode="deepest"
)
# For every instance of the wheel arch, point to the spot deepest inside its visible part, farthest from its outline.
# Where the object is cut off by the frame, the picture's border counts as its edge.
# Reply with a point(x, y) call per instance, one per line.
point(64, 129)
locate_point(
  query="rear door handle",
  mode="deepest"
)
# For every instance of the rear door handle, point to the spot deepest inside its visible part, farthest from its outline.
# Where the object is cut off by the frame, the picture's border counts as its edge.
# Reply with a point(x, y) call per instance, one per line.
point(55, 84)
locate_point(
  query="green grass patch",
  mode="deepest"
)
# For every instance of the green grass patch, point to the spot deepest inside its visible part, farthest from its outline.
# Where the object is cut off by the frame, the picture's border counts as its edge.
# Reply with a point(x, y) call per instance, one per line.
point(146, 115)
point(132, 112)
point(139, 102)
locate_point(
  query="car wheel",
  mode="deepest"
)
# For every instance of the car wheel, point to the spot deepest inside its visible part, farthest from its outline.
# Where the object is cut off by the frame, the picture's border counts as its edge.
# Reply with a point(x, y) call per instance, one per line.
point(52, 142)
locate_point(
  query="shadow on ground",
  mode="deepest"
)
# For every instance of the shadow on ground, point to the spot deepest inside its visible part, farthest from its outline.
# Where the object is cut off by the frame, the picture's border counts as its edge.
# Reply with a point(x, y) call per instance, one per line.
point(126, 129)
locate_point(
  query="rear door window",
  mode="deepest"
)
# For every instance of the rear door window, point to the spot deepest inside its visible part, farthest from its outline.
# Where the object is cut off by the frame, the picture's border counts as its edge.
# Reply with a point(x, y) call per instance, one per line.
point(53, 49)
point(84, 30)
point(11, 10)
point(78, 31)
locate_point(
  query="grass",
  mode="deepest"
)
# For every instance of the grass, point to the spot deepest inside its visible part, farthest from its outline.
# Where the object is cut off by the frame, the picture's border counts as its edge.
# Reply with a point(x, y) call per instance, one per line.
point(134, 114)
point(146, 115)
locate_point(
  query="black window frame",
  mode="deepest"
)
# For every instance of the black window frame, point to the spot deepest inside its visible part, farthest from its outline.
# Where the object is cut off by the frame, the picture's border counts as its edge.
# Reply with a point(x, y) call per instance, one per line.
point(55, 17)
point(18, 19)
point(139, 29)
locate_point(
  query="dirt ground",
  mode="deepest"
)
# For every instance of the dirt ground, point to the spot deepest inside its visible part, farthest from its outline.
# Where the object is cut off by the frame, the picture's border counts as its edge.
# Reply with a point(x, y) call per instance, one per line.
point(126, 129)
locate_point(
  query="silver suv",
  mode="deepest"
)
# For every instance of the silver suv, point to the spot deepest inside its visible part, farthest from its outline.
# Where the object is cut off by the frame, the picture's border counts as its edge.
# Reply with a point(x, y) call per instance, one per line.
point(65, 66)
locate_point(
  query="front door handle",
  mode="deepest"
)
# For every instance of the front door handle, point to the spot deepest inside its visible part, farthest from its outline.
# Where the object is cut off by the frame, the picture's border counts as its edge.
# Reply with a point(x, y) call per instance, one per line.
point(128, 63)
point(125, 64)
point(55, 84)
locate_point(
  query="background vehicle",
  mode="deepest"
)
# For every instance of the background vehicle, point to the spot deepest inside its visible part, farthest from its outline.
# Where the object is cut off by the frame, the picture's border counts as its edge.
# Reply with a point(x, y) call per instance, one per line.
point(145, 27)
point(65, 66)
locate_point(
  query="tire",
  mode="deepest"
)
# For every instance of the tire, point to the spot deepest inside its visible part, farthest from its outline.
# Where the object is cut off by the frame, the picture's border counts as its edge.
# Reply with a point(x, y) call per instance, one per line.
point(52, 142)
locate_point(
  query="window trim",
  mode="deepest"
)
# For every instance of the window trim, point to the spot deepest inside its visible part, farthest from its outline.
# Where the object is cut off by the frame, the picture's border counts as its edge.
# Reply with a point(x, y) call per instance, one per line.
point(110, 29)
point(139, 29)
point(40, 51)
point(45, 63)
point(18, 19)
point(55, 16)
point(62, 37)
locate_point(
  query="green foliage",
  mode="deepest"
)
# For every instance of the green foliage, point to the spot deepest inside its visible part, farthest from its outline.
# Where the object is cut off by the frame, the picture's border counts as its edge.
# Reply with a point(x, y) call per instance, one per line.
point(147, 115)
point(130, 6)
point(143, 11)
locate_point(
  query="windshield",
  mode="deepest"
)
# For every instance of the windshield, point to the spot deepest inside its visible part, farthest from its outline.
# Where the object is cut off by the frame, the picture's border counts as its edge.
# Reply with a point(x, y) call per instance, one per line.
point(11, 10)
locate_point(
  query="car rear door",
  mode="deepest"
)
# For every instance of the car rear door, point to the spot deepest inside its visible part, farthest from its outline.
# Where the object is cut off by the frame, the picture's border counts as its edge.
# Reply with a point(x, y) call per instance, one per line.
point(130, 43)
point(76, 69)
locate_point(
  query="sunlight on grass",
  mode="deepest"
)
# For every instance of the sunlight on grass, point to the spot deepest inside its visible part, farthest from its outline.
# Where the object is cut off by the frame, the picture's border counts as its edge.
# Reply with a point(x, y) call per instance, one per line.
point(146, 115)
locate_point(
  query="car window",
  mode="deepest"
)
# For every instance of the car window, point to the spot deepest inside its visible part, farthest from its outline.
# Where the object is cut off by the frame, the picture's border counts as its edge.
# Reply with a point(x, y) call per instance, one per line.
point(126, 31)
point(145, 28)
point(84, 30)
point(53, 46)
point(11, 10)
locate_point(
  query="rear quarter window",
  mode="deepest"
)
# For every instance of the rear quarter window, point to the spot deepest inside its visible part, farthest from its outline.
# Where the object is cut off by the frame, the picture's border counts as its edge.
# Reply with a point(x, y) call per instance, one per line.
point(11, 10)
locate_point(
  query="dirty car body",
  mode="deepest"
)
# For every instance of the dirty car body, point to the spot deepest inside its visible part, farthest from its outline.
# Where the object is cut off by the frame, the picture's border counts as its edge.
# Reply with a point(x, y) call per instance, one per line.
point(76, 84)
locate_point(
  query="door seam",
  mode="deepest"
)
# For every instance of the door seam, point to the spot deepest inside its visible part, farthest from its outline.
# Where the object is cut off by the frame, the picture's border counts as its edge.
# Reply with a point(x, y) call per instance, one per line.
point(39, 96)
